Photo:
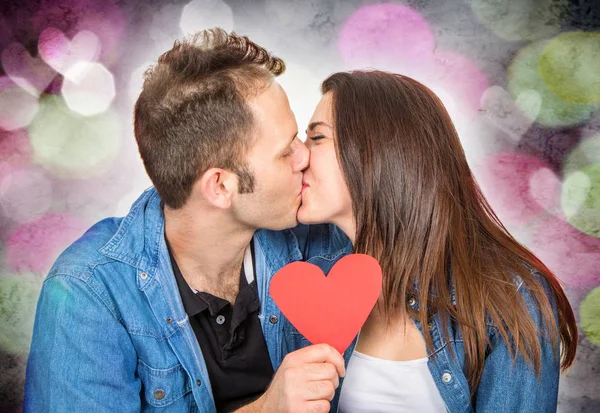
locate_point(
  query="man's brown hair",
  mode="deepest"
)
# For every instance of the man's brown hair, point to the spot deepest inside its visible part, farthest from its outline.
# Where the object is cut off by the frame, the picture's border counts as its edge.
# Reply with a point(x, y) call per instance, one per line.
point(192, 114)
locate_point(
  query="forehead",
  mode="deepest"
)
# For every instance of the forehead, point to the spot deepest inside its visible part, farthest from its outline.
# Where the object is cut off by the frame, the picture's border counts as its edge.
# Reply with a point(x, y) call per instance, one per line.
point(272, 105)
point(323, 111)
point(274, 121)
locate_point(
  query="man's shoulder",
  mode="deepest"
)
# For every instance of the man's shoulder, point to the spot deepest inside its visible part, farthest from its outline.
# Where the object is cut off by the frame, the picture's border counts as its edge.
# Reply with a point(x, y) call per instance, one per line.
point(83, 256)
point(118, 240)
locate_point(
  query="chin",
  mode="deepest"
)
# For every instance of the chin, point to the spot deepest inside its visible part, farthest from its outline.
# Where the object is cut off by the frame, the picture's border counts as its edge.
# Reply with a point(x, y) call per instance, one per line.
point(305, 217)
point(291, 222)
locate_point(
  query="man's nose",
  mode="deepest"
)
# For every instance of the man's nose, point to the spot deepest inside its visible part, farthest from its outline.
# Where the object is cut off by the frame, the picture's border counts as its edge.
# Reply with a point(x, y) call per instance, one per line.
point(303, 160)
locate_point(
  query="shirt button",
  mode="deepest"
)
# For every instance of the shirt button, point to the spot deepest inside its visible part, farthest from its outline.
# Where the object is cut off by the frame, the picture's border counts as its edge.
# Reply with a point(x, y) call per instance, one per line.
point(198, 382)
point(169, 320)
point(159, 394)
point(143, 276)
point(446, 377)
point(273, 319)
point(220, 319)
point(430, 325)
point(412, 301)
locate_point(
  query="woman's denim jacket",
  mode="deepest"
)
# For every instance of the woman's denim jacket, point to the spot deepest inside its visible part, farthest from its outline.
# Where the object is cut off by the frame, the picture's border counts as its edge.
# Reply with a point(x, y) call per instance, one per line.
point(505, 386)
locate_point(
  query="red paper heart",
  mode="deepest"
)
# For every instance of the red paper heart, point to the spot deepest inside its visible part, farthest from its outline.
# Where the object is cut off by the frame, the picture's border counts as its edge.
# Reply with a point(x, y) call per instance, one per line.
point(328, 309)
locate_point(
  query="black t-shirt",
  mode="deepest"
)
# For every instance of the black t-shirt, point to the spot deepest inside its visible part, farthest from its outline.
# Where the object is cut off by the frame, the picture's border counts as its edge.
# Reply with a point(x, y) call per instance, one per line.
point(231, 340)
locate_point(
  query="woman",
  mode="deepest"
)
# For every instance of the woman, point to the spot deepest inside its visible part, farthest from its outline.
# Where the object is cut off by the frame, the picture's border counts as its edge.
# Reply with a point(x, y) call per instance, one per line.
point(468, 318)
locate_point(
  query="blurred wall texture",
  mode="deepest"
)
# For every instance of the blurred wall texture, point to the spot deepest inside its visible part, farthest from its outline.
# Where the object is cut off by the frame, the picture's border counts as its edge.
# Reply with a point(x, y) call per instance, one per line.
point(521, 79)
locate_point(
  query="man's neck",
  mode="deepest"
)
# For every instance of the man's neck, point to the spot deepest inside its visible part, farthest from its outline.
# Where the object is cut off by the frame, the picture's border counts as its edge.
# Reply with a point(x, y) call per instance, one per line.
point(207, 246)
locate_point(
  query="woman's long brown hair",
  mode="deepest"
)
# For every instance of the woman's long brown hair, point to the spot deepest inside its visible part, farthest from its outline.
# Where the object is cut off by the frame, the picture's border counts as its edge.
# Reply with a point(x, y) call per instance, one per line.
point(419, 211)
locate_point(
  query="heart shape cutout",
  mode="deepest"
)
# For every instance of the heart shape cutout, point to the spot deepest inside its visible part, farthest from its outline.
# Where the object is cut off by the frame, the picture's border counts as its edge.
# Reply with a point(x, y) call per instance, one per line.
point(30, 73)
point(328, 309)
point(513, 117)
point(460, 79)
point(63, 54)
point(530, 103)
point(545, 188)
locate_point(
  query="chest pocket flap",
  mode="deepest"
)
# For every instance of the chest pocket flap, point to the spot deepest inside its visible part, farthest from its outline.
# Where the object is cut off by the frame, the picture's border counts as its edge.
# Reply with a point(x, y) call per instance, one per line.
point(162, 387)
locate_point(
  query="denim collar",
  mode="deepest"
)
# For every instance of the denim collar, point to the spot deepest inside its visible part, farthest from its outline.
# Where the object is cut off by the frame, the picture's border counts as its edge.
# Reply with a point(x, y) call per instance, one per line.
point(139, 239)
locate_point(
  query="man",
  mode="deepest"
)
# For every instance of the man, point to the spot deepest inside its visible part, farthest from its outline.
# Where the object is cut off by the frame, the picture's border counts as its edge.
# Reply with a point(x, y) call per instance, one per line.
point(168, 308)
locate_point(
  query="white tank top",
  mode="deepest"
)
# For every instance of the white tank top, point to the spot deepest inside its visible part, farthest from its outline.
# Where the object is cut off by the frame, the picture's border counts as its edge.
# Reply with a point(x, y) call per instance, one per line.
point(374, 385)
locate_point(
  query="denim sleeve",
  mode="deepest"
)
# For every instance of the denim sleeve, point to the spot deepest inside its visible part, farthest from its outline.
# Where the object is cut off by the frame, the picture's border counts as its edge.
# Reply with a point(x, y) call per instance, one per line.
point(81, 357)
point(507, 386)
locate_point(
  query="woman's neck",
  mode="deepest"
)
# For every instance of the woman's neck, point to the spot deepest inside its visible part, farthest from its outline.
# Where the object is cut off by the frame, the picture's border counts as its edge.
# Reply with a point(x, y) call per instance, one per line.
point(348, 225)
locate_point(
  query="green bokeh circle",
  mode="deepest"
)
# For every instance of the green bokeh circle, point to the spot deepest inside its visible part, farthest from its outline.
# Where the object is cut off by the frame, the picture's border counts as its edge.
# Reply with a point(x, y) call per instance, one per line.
point(570, 66)
point(589, 312)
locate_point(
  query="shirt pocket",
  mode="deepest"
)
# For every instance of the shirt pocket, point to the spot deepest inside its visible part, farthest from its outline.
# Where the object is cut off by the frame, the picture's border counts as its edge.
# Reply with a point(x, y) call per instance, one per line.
point(297, 340)
point(166, 388)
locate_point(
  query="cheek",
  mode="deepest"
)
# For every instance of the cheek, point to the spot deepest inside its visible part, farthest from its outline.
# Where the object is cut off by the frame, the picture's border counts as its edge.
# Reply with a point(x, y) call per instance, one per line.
point(340, 195)
point(331, 183)
point(277, 176)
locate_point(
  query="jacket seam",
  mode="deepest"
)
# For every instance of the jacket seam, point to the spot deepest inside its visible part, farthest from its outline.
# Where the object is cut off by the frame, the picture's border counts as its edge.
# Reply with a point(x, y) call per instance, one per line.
point(94, 291)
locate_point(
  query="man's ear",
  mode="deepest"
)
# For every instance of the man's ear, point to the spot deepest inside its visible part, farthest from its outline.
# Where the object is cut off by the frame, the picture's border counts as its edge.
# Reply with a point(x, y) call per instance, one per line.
point(217, 186)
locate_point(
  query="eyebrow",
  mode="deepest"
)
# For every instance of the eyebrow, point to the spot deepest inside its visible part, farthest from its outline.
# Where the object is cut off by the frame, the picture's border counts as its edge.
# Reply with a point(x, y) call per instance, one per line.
point(313, 125)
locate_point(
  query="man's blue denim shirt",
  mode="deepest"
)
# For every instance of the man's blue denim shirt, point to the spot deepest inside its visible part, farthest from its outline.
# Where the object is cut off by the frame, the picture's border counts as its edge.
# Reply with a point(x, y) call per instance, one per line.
point(110, 328)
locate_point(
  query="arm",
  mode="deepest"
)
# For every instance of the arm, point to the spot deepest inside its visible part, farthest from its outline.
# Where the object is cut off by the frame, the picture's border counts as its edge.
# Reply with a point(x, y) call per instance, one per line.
point(81, 358)
point(256, 406)
point(514, 387)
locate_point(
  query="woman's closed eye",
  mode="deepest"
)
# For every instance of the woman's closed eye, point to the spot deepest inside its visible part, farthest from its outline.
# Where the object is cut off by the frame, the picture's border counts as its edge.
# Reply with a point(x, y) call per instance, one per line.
point(317, 137)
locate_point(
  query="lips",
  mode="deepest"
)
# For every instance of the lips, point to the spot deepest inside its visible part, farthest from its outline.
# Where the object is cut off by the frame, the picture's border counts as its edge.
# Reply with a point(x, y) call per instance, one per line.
point(304, 186)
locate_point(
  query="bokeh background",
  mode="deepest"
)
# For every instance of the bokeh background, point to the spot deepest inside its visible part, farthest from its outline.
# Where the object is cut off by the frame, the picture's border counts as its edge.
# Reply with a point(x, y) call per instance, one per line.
point(520, 78)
